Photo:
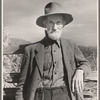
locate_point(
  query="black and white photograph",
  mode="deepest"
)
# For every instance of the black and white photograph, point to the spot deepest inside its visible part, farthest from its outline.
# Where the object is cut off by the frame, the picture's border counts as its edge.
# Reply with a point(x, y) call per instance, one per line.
point(50, 50)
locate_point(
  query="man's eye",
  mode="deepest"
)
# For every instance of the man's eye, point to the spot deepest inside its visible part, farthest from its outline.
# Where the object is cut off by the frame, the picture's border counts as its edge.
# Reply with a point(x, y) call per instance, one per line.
point(59, 23)
point(50, 22)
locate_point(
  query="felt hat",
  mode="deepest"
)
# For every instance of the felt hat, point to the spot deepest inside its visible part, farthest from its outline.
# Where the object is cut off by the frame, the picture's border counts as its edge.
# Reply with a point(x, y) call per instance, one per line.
point(51, 9)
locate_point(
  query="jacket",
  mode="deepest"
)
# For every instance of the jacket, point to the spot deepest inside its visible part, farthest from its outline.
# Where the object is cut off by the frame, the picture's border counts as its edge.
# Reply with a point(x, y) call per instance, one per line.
point(32, 68)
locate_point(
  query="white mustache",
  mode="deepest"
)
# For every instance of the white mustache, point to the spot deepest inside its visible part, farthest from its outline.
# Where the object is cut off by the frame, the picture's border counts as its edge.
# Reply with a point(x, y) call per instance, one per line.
point(55, 31)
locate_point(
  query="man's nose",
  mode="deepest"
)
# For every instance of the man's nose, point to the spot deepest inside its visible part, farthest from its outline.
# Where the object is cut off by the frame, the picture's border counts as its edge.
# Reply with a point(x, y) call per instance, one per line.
point(55, 26)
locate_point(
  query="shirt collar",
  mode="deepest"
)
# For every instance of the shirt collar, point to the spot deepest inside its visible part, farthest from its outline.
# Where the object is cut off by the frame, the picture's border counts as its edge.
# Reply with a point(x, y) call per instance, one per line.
point(58, 43)
point(49, 41)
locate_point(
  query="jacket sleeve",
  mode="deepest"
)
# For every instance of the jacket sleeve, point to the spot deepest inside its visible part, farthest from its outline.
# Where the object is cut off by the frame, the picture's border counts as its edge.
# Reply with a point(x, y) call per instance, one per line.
point(81, 62)
point(24, 70)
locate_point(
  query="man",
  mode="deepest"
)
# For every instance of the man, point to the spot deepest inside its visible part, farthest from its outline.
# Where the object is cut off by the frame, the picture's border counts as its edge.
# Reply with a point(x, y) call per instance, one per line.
point(53, 68)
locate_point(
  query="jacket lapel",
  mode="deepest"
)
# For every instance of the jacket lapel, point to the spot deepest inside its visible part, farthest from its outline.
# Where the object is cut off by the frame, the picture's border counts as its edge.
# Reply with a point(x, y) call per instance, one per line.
point(40, 57)
point(65, 50)
point(66, 54)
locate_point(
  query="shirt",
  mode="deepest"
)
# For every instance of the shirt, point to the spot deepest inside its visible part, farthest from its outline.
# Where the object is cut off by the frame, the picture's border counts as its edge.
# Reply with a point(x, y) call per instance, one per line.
point(53, 69)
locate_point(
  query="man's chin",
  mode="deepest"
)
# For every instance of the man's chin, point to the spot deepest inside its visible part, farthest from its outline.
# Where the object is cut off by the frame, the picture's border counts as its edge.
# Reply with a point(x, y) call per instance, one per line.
point(54, 38)
point(55, 35)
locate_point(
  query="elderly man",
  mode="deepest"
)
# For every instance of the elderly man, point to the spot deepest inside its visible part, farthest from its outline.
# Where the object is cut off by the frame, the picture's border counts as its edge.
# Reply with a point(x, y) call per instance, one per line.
point(53, 68)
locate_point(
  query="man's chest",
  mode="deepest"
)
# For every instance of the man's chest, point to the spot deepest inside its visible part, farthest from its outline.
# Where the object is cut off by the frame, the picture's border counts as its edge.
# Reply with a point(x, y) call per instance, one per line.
point(53, 68)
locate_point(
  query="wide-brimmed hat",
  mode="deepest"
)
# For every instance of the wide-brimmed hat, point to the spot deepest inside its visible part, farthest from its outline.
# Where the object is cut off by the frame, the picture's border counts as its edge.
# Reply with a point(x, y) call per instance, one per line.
point(51, 9)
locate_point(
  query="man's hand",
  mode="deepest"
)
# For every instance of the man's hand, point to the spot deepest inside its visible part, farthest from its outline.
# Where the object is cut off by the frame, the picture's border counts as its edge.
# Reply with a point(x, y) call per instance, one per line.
point(77, 81)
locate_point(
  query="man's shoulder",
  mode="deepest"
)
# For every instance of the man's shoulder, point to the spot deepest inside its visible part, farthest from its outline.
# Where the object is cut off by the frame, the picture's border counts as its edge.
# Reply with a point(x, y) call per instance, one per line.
point(29, 46)
point(69, 41)
point(32, 46)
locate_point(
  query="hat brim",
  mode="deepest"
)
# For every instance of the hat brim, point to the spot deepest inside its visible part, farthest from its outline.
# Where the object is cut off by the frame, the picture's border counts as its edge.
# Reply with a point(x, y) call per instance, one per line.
point(67, 17)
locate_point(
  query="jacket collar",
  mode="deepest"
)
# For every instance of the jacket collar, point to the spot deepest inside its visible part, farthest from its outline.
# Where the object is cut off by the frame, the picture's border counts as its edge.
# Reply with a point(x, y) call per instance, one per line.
point(40, 45)
point(39, 51)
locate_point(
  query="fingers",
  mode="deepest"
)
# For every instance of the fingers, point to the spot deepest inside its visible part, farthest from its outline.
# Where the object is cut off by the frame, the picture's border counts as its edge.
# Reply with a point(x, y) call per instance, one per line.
point(80, 86)
point(73, 82)
point(77, 83)
point(77, 86)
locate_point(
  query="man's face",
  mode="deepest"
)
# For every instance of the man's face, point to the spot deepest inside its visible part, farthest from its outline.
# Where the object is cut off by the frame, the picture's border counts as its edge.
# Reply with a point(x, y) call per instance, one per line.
point(54, 25)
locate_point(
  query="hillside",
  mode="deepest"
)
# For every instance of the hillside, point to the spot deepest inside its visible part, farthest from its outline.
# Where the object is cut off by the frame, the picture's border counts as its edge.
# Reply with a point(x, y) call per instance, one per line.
point(13, 45)
point(17, 42)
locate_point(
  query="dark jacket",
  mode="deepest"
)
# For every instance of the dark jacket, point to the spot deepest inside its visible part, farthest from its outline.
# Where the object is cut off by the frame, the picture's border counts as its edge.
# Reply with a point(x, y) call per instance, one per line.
point(32, 68)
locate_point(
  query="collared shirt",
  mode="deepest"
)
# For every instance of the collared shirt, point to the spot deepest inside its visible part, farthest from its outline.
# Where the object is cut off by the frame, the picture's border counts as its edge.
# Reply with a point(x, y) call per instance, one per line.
point(53, 69)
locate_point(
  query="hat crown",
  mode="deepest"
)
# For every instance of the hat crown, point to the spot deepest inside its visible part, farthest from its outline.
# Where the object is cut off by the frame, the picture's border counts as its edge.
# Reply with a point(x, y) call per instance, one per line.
point(52, 7)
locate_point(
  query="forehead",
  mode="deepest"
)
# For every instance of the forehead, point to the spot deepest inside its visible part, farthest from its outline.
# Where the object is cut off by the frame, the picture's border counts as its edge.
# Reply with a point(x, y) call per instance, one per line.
point(55, 17)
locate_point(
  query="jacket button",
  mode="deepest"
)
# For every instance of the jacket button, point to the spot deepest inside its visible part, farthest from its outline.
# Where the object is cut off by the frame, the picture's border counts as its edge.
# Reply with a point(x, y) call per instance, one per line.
point(54, 50)
point(54, 62)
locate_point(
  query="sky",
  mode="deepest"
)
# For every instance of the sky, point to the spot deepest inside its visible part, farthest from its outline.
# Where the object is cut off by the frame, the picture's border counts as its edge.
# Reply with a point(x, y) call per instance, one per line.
point(20, 18)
